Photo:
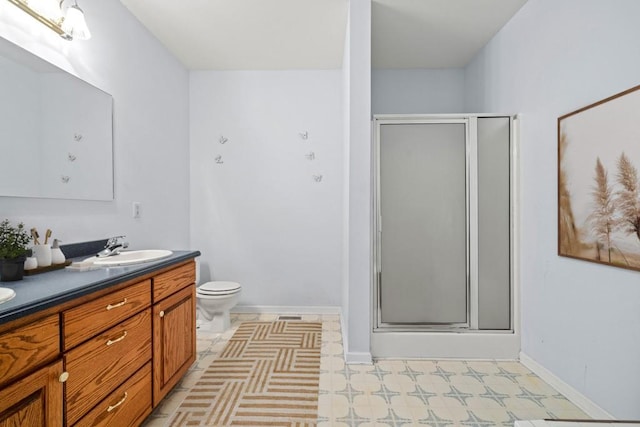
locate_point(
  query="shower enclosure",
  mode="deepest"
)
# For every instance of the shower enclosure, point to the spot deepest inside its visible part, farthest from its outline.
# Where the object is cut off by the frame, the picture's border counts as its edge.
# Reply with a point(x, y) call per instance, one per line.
point(444, 236)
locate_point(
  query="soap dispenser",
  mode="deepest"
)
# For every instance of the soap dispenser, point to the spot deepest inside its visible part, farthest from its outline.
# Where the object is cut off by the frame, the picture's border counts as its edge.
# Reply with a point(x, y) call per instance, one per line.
point(57, 257)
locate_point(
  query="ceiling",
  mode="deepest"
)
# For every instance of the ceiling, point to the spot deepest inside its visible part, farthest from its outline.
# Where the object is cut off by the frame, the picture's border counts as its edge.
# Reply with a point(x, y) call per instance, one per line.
point(434, 33)
point(310, 34)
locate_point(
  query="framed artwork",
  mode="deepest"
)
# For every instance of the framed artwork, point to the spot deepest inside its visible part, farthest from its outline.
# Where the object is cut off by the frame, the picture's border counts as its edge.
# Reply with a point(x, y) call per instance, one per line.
point(598, 182)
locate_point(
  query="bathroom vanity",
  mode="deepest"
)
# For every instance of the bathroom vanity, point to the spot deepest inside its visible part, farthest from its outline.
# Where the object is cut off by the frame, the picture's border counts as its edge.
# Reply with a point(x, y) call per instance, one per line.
point(101, 347)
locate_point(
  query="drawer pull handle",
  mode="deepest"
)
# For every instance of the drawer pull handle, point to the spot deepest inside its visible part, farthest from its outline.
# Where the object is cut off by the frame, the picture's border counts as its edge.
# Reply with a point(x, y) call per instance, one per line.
point(120, 304)
point(110, 342)
point(63, 377)
point(162, 313)
point(112, 407)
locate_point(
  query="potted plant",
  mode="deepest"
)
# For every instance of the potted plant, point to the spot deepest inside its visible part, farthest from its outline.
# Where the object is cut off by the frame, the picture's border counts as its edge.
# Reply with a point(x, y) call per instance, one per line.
point(13, 250)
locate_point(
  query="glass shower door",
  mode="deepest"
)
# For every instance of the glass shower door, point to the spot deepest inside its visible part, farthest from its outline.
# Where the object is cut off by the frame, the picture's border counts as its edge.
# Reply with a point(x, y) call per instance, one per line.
point(423, 217)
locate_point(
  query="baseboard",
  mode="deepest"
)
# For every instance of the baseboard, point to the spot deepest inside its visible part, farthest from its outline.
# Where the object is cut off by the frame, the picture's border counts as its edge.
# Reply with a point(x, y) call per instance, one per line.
point(445, 345)
point(579, 399)
point(345, 338)
point(286, 309)
point(355, 358)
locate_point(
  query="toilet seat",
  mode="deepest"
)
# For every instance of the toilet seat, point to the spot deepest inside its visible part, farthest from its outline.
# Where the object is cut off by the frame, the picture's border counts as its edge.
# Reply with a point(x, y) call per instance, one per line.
point(218, 288)
point(214, 300)
point(217, 294)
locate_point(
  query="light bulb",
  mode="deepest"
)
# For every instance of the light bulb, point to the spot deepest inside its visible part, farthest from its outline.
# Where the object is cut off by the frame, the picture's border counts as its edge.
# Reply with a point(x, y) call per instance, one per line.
point(74, 23)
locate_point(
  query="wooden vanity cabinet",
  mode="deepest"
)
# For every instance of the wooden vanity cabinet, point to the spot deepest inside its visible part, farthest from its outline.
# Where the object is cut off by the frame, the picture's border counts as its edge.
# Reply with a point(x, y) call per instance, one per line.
point(119, 352)
point(91, 318)
point(30, 358)
point(174, 332)
point(99, 366)
point(29, 346)
point(106, 340)
point(128, 405)
point(35, 400)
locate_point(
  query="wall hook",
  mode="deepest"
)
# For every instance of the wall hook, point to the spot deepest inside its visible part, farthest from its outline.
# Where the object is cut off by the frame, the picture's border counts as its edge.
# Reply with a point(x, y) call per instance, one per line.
point(218, 160)
point(222, 140)
point(304, 135)
point(71, 157)
point(77, 137)
point(65, 178)
point(317, 178)
point(310, 156)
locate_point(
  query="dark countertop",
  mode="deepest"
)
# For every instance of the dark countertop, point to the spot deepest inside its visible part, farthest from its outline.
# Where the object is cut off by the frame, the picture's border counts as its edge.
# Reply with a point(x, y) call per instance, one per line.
point(45, 290)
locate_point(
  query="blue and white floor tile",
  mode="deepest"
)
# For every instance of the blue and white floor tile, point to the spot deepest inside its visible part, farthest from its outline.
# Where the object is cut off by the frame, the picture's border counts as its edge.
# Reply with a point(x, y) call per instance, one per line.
point(430, 393)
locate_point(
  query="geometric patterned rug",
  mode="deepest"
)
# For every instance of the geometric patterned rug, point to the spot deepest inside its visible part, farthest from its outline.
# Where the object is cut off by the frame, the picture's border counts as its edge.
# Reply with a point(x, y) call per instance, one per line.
point(267, 375)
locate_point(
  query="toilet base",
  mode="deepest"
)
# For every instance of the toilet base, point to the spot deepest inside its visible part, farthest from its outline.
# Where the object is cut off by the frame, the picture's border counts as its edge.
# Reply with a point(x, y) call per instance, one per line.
point(220, 322)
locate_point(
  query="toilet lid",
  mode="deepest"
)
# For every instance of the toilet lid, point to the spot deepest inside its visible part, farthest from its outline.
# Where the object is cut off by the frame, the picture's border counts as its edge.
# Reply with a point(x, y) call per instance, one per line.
point(219, 288)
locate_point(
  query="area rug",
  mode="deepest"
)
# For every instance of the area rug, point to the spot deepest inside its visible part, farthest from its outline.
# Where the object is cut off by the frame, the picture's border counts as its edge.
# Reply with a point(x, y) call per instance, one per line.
point(267, 375)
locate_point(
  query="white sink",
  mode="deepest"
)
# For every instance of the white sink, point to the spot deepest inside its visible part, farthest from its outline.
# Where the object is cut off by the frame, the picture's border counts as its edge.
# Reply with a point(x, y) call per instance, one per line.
point(6, 294)
point(130, 257)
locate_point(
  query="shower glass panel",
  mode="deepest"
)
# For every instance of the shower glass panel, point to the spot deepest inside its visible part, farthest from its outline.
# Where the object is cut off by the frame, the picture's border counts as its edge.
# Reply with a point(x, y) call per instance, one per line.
point(423, 224)
point(494, 223)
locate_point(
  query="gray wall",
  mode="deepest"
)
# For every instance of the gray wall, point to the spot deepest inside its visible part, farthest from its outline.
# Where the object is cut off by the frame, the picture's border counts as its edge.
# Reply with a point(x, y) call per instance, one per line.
point(580, 320)
point(260, 218)
point(397, 91)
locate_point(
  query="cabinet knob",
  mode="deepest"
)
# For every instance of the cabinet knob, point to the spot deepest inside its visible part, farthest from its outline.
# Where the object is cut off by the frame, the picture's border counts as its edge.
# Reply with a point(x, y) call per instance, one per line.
point(63, 377)
point(162, 313)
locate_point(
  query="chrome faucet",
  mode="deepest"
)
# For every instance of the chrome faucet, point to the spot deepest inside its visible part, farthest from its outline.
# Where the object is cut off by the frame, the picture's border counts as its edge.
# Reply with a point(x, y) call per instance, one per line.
point(113, 247)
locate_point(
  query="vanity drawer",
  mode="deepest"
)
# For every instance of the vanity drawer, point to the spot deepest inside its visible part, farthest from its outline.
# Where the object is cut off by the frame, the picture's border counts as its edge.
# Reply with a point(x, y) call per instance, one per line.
point(128, 405)
point(25, 348)
point(101, 364)
point(93, 317)
point(172, 281)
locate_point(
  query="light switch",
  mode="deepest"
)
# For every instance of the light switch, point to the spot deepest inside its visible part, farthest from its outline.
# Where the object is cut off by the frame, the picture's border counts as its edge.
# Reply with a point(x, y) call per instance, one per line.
point(136, 209)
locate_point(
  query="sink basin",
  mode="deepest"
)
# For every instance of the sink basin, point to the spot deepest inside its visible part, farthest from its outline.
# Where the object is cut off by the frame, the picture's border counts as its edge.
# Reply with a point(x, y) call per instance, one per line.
point(6, 294)
point(130, 257)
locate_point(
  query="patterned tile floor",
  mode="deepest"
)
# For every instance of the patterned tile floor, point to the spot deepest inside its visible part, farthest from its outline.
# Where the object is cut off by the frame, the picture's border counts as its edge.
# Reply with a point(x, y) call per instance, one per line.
point(441, 393)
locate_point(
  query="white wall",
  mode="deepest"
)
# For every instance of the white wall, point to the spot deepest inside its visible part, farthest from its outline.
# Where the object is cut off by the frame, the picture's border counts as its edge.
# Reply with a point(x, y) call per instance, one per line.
point(579, 320)
point(260, 218)
point(359, 184)
point(150, 90)
point(398, 91)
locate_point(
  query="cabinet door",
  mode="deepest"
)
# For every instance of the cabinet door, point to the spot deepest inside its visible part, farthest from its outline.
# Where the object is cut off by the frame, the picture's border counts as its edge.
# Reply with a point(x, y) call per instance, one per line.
point(174, 340)
point(35, 400)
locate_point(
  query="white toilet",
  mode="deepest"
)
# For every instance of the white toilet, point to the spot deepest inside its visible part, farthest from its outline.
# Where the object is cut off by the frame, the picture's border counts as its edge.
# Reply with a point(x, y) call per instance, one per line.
point(213, 302)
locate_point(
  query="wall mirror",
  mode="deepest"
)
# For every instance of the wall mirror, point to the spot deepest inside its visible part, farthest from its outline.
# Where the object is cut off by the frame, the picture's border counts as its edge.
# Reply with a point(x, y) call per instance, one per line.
point(56, 131)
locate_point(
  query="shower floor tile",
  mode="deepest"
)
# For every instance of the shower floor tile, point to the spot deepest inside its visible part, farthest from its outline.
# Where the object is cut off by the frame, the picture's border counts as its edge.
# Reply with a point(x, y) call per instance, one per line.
point(439, 393)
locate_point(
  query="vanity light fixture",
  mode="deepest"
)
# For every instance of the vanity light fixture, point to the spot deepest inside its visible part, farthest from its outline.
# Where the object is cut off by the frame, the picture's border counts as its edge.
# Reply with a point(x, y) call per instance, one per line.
point(68, 23)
